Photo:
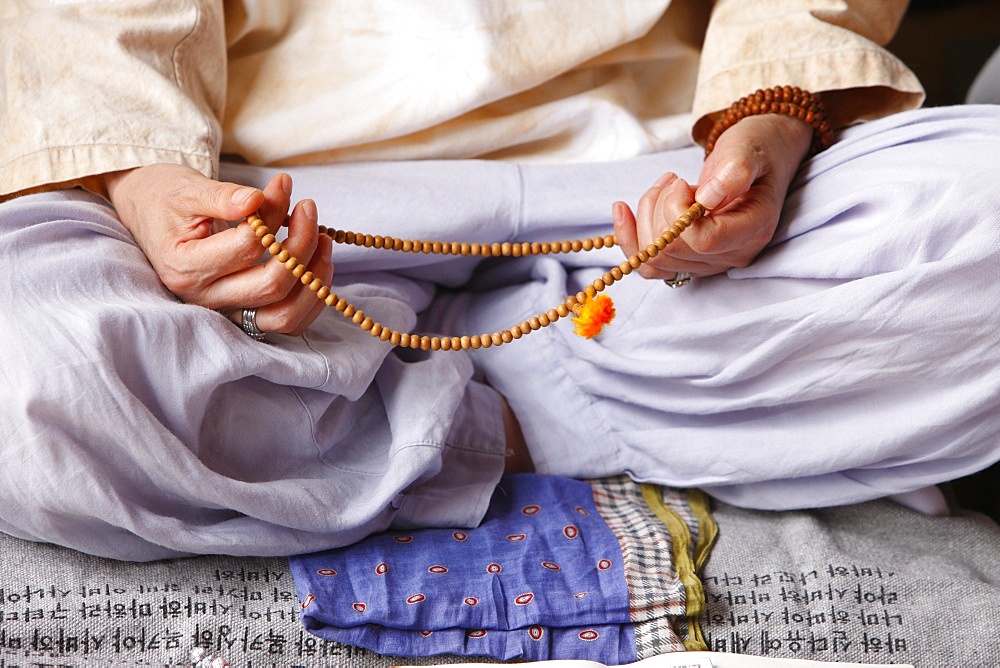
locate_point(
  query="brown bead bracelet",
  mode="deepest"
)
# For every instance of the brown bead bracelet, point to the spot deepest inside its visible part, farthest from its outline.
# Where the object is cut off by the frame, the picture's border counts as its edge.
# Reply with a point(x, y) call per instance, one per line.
point(786, 100)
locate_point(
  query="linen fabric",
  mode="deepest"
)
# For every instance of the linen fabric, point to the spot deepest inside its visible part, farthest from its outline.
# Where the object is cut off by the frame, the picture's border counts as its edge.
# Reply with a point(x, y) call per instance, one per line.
point(855, 359)
point(139, 427)
point(315, 81)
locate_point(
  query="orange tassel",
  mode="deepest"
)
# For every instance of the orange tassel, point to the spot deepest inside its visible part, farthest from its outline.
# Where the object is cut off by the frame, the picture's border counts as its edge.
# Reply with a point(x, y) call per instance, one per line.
point(592, 315)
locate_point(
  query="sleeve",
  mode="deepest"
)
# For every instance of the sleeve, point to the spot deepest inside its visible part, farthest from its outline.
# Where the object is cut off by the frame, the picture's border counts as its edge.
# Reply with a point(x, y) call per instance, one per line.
point(835, 48)
point(90, 87)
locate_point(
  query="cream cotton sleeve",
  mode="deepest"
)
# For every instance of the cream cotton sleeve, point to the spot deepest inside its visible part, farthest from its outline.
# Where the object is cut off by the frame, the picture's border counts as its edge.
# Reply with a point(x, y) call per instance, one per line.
point(831, 47)
point(101, 86)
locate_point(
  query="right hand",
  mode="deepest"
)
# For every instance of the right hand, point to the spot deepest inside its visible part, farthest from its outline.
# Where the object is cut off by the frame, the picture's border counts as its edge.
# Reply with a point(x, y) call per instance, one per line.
point(178, 217)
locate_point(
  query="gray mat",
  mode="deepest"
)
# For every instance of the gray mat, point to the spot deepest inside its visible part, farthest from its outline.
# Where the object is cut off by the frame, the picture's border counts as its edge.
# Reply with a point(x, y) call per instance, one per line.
point(870, 583)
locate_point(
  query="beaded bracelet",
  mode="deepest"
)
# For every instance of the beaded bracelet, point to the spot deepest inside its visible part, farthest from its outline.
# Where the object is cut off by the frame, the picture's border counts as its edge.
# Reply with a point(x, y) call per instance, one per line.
point(787, 100)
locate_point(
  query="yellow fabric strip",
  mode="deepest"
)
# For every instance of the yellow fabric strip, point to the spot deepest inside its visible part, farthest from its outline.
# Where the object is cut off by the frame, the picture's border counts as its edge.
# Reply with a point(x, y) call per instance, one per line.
point(687, 561)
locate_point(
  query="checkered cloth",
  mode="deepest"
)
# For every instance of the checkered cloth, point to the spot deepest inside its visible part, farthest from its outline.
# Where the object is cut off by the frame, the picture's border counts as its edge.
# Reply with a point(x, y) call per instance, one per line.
point(558, 569)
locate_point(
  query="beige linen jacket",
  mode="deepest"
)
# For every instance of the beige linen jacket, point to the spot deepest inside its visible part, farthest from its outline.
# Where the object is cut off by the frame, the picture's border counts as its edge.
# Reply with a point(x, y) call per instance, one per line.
point(94, 86)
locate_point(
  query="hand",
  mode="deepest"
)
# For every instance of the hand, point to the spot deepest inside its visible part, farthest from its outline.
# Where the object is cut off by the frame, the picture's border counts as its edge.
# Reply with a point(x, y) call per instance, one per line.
point(178, 217)
point(743, 185)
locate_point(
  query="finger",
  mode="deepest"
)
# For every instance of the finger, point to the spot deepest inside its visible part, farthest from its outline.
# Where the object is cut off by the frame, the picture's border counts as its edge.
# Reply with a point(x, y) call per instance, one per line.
point(625, 228)
point(271, 282)
point(625, 234)
point(277, 200)
point(204, 199)
point(728, 174)
point(217, 256)
point(659, 215)
point(301, 307)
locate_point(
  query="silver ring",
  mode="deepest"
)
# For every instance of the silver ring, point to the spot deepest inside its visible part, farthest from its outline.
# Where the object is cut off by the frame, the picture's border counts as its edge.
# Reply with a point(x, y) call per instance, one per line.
point(679, 281)
point(249, 324)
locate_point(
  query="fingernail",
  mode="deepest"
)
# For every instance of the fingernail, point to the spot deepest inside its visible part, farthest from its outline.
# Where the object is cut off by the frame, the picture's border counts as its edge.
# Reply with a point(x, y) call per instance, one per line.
point(617, 211)
point(309, 208)
point(710, 194)
point(241, 196)
point(286, 184)
point(664, 180)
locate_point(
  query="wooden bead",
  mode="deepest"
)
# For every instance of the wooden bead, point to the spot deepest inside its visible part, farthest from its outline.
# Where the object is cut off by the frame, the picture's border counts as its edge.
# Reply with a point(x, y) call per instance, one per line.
point(571, 304)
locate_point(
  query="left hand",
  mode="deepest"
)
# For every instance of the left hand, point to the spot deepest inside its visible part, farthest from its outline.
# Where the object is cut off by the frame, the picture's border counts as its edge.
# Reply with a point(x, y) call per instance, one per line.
point(743, 184)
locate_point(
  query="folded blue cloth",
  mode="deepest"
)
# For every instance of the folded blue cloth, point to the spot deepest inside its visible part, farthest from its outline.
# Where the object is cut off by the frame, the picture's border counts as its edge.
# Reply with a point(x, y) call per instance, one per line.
point(543, 577)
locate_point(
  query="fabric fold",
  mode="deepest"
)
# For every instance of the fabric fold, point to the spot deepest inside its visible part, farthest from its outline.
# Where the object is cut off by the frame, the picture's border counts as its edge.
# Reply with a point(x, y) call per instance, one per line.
point(559, 568)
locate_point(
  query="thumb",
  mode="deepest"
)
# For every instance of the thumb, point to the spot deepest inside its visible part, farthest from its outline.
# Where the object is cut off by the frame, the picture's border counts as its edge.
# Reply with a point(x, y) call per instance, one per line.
point(726, 176)
point(225, 201)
